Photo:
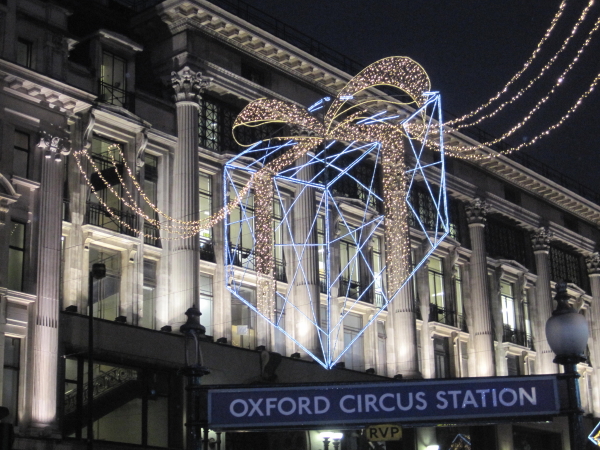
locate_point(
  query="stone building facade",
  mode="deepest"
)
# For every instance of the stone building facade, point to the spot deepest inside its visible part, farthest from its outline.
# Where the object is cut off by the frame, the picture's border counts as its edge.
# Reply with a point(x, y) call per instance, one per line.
point(112, 76)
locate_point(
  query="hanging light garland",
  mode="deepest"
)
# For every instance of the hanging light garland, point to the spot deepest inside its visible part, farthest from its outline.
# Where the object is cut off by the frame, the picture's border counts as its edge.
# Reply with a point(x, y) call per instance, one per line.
point(516, 76)
point(456, 123)
point(478, 156)
point(457, 149)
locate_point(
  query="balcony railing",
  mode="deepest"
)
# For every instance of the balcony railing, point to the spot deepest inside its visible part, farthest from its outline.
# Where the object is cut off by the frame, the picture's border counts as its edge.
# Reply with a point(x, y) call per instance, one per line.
point(518, 337)
point(280, 270)
point(116, 96)
point(151, 235)
point(349, 288)
point(446, 316)
point(207, 250)
point(100, 216)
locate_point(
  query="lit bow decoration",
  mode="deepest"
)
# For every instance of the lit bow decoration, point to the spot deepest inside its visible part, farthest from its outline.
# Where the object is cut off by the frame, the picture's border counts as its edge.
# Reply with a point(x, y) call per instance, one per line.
point(347, 119)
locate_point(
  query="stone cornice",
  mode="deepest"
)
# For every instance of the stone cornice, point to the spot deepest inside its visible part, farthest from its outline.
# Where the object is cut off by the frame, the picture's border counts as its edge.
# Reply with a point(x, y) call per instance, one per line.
point(541, 187)
point(43, 90)
point(200, 14)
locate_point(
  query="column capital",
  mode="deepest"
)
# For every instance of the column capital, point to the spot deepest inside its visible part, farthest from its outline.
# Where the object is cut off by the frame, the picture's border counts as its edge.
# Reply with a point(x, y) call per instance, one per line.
point(188, 85)
point(476, 211)
point(540, 239)
point(53, 145)
point(593, 264)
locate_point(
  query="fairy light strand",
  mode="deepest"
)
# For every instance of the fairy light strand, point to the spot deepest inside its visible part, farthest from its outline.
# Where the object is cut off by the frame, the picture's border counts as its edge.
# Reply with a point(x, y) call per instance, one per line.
point(522, 91)
point(516, 76)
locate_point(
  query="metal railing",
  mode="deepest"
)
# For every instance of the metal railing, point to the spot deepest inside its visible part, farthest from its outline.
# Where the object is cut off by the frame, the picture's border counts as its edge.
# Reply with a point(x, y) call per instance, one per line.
point(349, 288)
point(151, 235)
point(103, 383)
point(518, 337)
point(207, 250)
point(446, 316)
point(100, 216)
point(116, 96)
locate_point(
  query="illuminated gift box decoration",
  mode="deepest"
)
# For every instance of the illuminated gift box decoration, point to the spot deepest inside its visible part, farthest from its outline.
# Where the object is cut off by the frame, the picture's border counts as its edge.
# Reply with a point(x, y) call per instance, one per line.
point(323, 197)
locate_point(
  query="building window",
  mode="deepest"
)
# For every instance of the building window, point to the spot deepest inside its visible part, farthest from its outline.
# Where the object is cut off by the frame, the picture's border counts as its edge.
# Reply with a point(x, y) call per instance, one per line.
point(241, 224)
point(16, 256)
point(515, 317)
point(21, 154)
point(149, 306)
point(279, 338)
point(253, 74)
point(439, 311)
point(464, 359)
point(106, 295)
point(25, 53)
point(506, 241)
point(207, 249)
point(10, 386)
point(131, 406)
point(509, 319)
point(381, 349)
point(377, 272)
point(113, 80)
point(441, 357)
point(349, 264)
point(354, 357)
point(426, 212)
point(322, 255)
point(206, 302)
point(565, 266)
point(513, 363)
point(243, 319)
point(151, 231)
point(104, 208)
point(216, 122)
point(278, 252)
point(458, 293)
point(512, 195)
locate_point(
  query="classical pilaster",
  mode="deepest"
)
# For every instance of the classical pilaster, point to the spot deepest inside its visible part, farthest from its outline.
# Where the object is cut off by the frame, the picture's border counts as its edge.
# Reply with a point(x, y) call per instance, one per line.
point(185, 257)
point(542, 309)
point(304, 265)
point(497, 320)
point(397, 239)
point(41, 408)
point(481, 334)
point(593, 266)
point(422, 285)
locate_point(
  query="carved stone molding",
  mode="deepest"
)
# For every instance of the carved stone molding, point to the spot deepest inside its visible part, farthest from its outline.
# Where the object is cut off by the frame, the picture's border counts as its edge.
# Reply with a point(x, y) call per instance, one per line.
point(188, 85)
point(141, 151)
point(541, 239)
point(593, 264)
point(476, 211)
point(53, 146)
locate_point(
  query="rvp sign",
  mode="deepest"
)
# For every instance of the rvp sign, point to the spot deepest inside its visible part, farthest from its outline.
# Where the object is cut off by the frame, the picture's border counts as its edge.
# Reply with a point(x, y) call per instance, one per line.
point(377, 433)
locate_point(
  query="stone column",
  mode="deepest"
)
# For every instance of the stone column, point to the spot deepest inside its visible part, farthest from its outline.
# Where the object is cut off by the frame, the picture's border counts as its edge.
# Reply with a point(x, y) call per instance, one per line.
point(41, 408)
point(542, 309)
point(593, 265)
point(306, 291)
point(481, 334)
point(185, 257)
point(397, 244)
point(498, 322)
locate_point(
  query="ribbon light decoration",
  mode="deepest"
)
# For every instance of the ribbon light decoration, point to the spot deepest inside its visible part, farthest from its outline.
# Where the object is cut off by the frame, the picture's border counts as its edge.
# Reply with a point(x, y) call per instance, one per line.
point(349, 118)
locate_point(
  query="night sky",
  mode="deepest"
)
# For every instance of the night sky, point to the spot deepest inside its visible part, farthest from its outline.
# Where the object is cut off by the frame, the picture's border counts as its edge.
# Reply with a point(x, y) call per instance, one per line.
point(471, 48)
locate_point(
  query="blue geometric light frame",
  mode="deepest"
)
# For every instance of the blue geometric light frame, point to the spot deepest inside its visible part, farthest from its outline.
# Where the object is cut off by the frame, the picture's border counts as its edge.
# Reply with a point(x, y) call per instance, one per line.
point(353, 221)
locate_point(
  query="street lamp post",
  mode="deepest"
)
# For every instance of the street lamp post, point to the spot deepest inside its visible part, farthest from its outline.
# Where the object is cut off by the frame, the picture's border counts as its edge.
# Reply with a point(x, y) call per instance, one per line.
point(567, 333)
point(194, 371)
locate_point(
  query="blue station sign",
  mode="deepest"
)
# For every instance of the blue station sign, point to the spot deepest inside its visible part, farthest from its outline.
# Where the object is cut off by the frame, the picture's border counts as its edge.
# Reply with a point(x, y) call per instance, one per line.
point(397, 402)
